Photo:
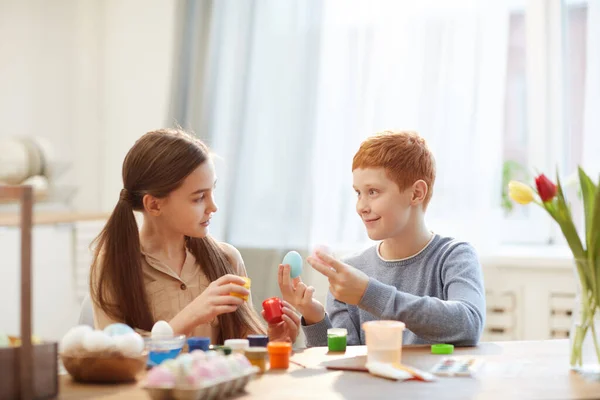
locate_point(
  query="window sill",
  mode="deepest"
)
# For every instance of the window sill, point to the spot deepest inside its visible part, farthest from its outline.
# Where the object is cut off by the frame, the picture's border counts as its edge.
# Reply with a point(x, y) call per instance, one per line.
point(543, 256)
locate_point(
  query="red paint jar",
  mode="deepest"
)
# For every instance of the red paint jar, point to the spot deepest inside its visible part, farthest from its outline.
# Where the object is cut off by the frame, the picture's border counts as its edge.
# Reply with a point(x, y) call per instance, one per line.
point(273, 310)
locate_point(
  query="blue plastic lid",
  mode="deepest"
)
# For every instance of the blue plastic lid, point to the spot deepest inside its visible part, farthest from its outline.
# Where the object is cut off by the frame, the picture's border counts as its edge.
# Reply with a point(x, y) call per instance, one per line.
point(201, 343)
point(258, 340)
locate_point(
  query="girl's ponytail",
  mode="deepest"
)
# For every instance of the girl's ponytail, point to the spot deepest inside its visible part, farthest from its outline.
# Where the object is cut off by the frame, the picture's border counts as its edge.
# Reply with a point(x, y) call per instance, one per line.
point(116, 280)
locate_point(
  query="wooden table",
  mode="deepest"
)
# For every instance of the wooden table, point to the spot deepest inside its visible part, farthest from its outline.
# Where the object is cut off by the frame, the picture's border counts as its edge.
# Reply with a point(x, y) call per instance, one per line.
point(511, 370)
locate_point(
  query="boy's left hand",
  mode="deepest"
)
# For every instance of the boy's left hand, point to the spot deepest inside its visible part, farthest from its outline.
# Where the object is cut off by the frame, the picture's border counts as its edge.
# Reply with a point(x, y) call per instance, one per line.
point(346, 283)
point(286, 330)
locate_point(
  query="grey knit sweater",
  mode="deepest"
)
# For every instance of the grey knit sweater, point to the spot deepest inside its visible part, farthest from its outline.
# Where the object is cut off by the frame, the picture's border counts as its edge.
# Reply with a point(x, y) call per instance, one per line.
point(438, 293)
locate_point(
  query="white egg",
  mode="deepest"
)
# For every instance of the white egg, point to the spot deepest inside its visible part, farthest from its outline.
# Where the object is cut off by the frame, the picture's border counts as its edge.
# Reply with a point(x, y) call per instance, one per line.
point(130, 344)
point(97, 341)
point(198, 355)
point(172, 365)
point(235, 367)
point(323, 248)
point(185, 361)
point(162, 329)
point(73, 339)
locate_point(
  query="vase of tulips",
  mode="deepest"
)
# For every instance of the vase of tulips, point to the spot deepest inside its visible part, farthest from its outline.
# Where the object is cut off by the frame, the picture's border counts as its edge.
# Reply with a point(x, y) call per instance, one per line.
point(585, 328)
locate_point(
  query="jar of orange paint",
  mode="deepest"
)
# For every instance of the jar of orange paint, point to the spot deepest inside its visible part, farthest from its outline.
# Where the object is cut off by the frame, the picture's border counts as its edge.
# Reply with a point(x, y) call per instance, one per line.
point(279, 354)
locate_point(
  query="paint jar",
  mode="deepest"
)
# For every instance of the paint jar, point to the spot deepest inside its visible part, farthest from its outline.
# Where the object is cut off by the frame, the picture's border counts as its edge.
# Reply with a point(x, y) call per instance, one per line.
point(246, 285)
point(238, 346)
point(273, 310)
point(279, 354)
point(198, 343)
point(337, 339)
point(258, 340)
point(257, 357)
point(384, 341)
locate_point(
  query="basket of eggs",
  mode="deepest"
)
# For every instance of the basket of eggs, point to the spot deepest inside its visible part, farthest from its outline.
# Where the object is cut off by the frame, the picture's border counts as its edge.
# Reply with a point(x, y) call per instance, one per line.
point(115, 354)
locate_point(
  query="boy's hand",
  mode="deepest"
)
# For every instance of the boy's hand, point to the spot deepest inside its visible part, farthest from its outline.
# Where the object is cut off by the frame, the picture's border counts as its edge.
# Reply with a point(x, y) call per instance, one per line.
point(300, 296)
point(286, 330)
point(346, 283)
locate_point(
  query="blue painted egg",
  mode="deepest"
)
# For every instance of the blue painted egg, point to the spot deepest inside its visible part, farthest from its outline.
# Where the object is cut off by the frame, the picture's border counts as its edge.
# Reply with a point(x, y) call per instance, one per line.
point(295, 262)
point(117, 329)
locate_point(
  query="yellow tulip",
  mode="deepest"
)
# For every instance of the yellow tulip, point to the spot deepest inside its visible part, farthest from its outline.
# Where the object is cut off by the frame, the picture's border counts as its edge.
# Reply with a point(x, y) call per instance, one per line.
point(520, 192)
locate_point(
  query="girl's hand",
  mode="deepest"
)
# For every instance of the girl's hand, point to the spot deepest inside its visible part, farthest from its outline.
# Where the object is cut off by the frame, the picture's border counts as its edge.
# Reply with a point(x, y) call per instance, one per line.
point(286, 330)
point(217, 299)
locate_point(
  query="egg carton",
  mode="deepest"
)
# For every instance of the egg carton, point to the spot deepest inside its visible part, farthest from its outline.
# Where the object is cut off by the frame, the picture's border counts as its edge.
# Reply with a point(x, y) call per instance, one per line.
point(216, 390)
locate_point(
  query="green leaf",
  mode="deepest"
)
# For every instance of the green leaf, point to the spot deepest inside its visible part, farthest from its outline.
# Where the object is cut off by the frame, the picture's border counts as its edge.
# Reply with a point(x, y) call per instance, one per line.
point(565, 221)
point(588, 191)
point(552, 209)
point(596, 266)
point(594, 229)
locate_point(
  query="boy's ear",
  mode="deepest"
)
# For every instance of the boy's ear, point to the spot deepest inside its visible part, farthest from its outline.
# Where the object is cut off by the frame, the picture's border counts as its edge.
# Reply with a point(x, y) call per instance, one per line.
point(152, 205)
point(419, 193)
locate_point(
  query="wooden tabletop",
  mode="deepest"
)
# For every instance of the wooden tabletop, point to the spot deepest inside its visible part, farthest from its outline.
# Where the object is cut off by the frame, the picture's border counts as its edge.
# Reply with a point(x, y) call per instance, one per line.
point(531, 370)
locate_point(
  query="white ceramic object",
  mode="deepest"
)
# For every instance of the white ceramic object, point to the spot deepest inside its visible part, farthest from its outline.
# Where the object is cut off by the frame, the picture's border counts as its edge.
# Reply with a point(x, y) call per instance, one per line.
point(24, 157)
point(14, 161)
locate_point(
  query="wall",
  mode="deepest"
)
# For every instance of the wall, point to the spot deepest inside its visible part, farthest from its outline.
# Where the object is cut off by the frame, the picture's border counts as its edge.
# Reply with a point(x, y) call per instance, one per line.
point(55, 307)
point(90, 76)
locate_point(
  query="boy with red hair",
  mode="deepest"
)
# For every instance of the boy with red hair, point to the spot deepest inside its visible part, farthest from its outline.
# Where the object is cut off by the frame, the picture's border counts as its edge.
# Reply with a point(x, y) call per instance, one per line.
point(430, 282)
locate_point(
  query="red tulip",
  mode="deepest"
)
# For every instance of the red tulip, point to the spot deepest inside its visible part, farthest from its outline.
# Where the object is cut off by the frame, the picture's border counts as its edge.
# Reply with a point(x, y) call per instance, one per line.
point(546, 189)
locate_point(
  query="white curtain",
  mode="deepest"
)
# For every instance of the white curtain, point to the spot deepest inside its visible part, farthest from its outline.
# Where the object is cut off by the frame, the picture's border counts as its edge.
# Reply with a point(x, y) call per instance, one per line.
point(591, 124)
point(262, 80)
point(435, 67)
point(293, 87)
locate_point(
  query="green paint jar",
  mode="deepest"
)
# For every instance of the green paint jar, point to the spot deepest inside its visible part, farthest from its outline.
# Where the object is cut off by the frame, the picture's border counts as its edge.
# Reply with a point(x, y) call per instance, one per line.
point(337, 339)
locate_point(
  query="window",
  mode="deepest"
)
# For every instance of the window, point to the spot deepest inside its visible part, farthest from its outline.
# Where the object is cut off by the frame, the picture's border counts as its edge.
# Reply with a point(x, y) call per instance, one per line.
point(521, 139)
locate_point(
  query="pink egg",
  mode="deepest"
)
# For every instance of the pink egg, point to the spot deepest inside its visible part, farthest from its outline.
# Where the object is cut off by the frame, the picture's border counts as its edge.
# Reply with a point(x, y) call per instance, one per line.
point(221, 368)
point(160, 377)
point(194, 380)
point(203, 370)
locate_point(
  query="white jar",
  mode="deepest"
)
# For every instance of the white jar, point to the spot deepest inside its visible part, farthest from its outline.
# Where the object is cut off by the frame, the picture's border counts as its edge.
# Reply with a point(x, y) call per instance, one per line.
point(238, 346)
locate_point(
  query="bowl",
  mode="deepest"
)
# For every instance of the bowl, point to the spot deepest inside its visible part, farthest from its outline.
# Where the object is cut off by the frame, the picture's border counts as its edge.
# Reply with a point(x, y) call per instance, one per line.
point(104, 368)
point(163, 348)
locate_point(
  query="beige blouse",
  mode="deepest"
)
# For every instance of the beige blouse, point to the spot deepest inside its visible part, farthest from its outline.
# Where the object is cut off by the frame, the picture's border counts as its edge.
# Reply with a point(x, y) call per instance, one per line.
point(169, 293)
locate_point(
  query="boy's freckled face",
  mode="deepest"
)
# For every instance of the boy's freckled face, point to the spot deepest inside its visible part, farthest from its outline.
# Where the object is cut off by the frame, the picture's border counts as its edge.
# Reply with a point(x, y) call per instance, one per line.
point(382, 207)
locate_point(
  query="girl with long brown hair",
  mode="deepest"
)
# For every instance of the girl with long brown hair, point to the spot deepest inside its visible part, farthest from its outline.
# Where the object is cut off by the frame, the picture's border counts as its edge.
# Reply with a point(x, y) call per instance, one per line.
point(172, 269)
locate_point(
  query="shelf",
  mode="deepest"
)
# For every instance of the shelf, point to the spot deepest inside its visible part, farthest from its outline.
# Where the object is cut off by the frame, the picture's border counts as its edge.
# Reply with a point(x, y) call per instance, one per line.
point(51, 218)
point(52, 195)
